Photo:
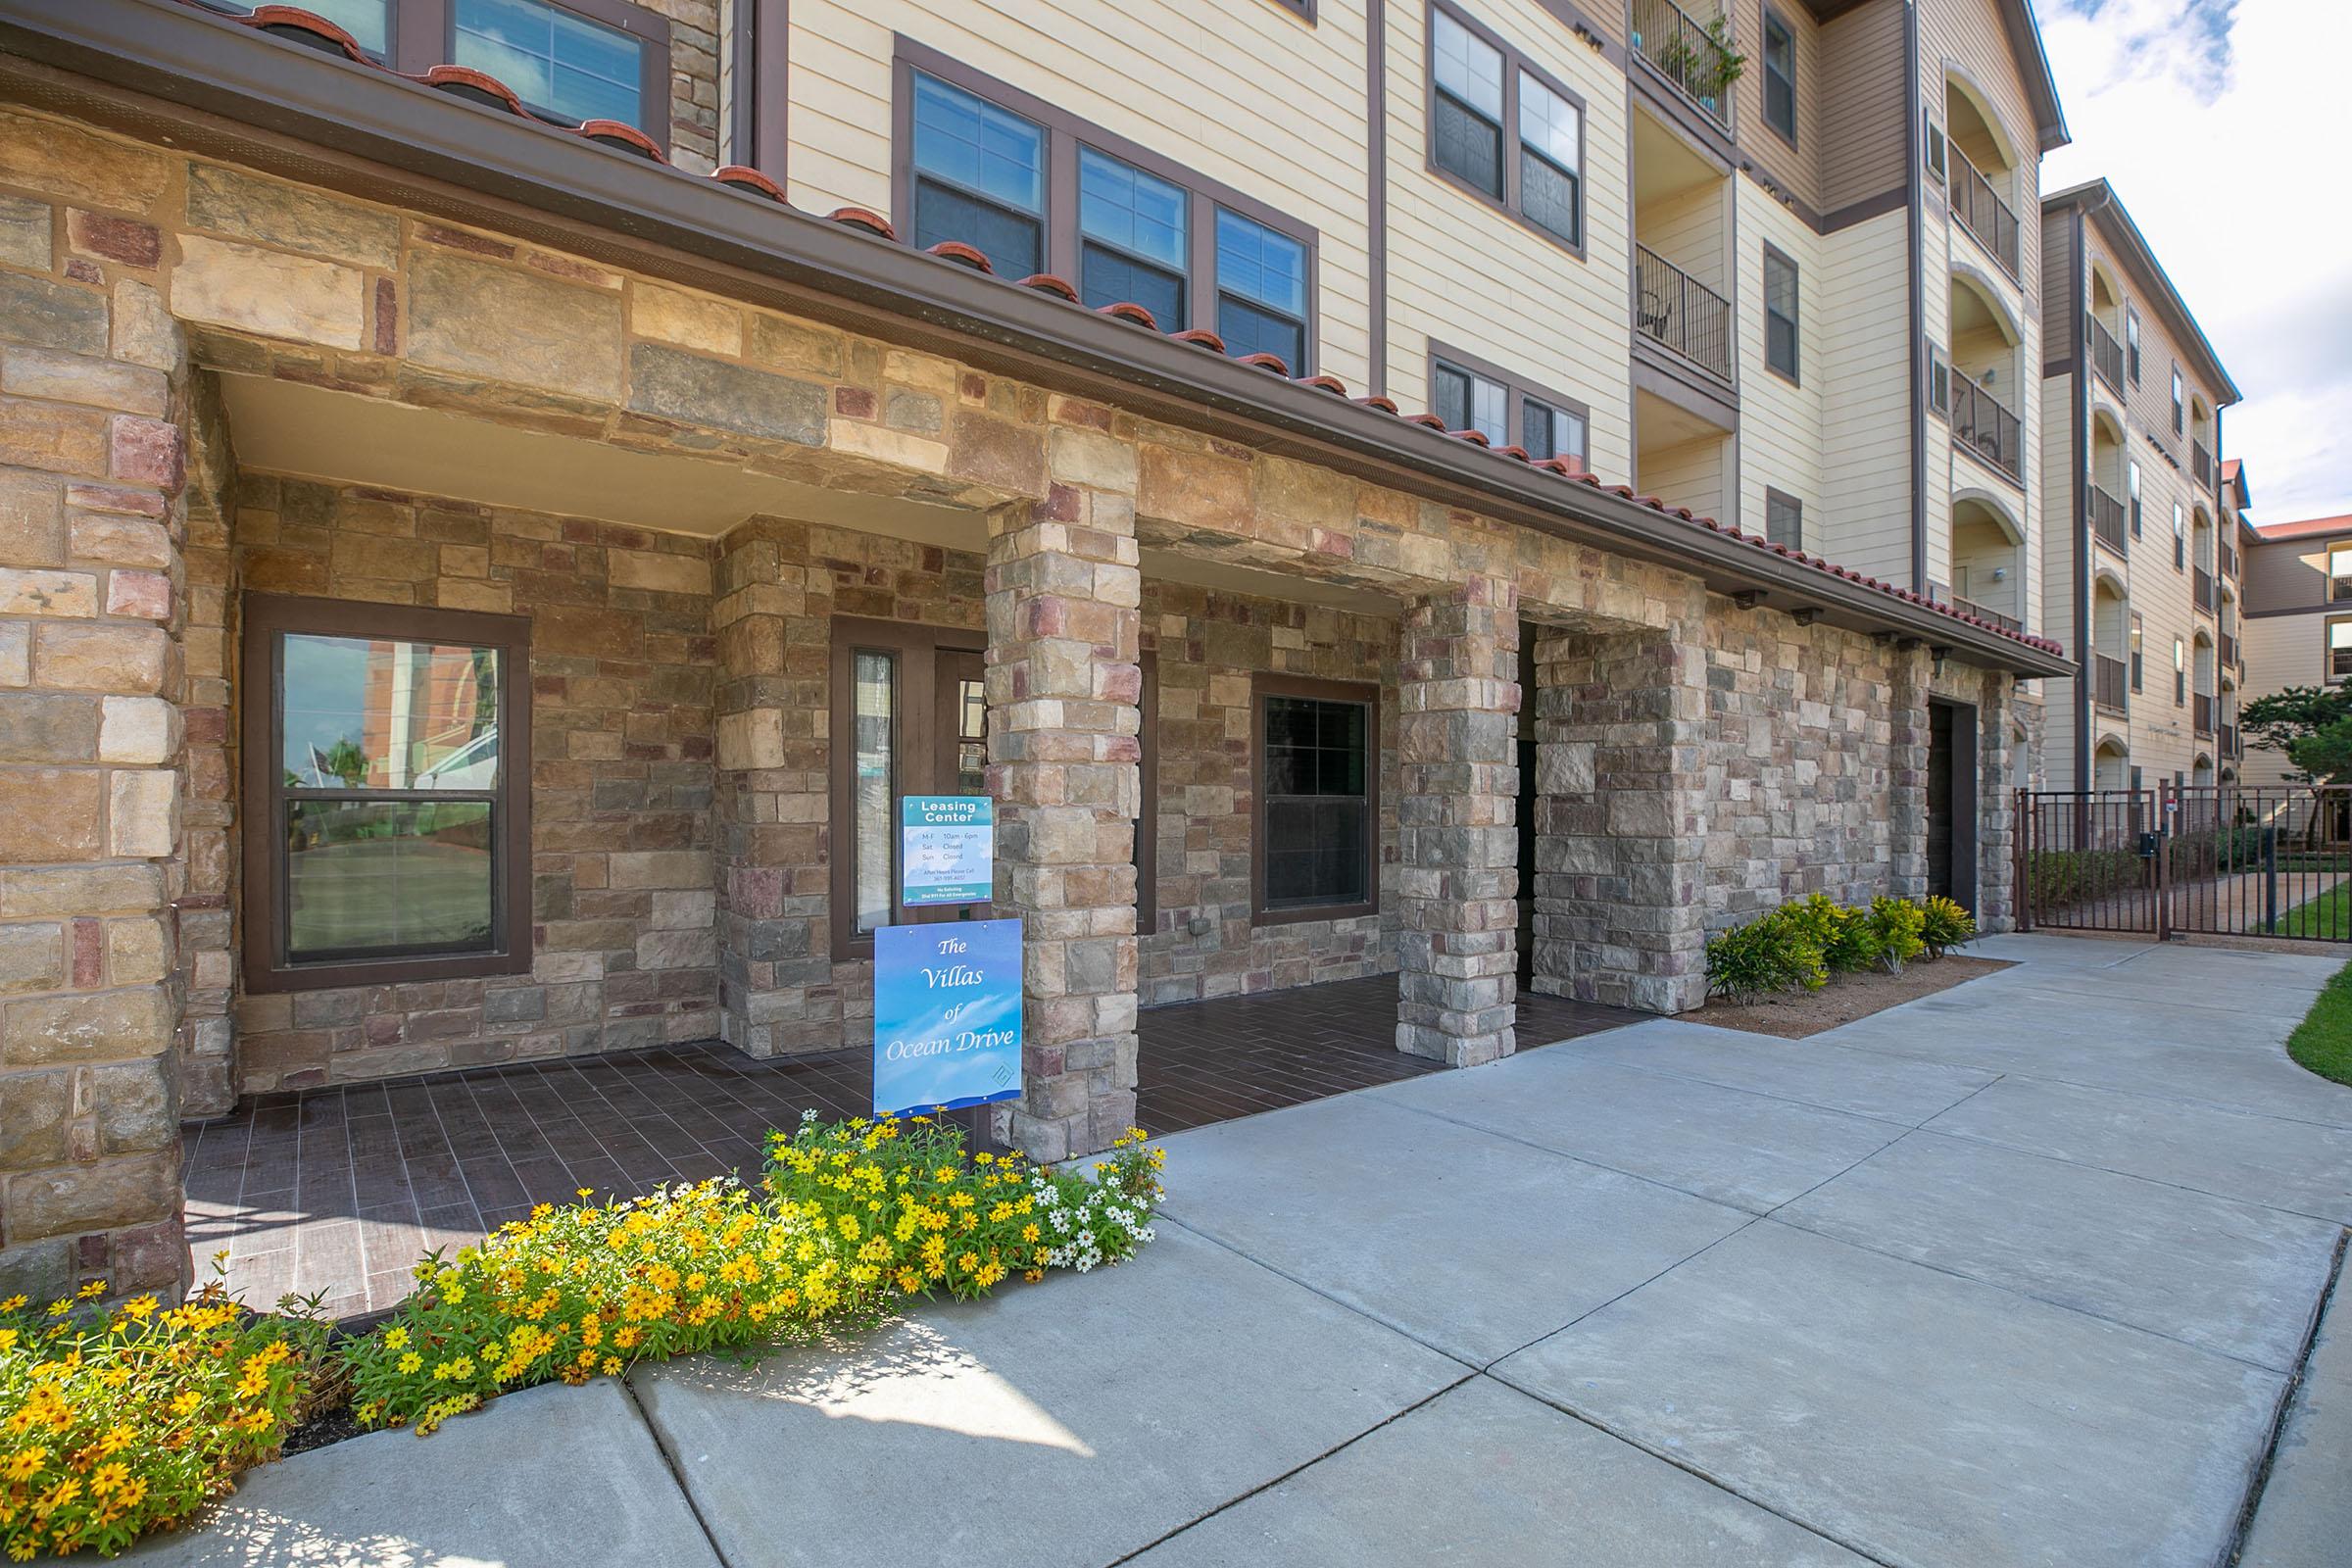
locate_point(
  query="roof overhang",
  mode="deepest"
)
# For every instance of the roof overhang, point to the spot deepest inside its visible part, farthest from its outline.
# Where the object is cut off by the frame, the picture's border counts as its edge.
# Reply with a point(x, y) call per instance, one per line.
point(2100, 206)
point(2024, 36)
point(168, 73)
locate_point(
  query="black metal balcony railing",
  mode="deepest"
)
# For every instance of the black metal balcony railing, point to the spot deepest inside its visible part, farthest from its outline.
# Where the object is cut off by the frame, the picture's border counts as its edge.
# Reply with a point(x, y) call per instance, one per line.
point(1968, 607)
point(1691, 56)
point(2228, 560)
point(2204, 708)
point(2228, 654)
point(1983, 213)
point(2109, 681)
point(2202, 582)
point(2230, 742)
point(2200, 462)
point(1986, 427)
point(2107, 520)
point(1681, 313)
point(2106, 356)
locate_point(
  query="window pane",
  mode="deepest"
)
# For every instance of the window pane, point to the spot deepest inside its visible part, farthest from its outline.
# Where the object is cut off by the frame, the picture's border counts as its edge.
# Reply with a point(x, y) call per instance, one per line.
point(1549, 123)
point(388, 715)
point(1246, 329)
point(985, 149)
point(1536, 431)
point(1489, 411)
point(1784, 520)
point(2339, 634)
point(1261, 264)
point(1468, 147)
point(1468, 67)
point(873, 745)
point(1012, 244)
point(1450, 396)
point(1123, 205)
point(375, 878)
point(1780, 77)
point(364, 19)
point(1316, 776)
point(1107, 277)
point(1547, 197)
point(555, 60)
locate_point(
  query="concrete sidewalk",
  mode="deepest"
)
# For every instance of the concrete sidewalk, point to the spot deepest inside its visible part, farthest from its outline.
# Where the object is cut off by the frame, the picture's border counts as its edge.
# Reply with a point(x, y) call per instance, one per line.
point(2014, 1274)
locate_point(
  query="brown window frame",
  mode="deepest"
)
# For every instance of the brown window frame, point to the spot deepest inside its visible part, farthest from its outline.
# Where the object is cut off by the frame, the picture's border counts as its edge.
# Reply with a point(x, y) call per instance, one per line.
point(1514, 61)
point(2329, 594)
point(1303, 10)
point(268, 618)
point(1518, 392)
point(2328, 670)
point(1365, 693)
point(1773, 496)
point(757, 135)
point(1065, 135)
point(1772, 17)
point(913, 754)
point(1773, 255)
point(422, 34)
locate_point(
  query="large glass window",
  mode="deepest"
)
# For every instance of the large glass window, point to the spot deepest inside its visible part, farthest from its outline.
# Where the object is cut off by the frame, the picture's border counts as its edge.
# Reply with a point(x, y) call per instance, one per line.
point(2339, 571)
point(979, 177)
point(1467, 394)
point(873, 787)
point(1780, 77)
point(1551, 136)
point(383, 759)
point(1780, 312)
point(1261, 290)
point(555, 60)
point(1466, 137)
point(1317, 803)
point(1551, 432)
point(2339, 649)
point(1470, 402)
point(1132, 247)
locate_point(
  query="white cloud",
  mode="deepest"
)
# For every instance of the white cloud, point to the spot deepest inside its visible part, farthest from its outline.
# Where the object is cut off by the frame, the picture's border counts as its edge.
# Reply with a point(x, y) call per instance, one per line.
point(2219, 126)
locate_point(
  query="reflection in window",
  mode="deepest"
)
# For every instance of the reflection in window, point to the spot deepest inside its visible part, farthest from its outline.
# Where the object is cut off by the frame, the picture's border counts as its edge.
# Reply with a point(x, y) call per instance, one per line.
point(554, 60)
point(364, 20)
point(1318, 817)
point(873, 764)
point(1550, 157)
point(388, 761)
point(2339, 571)
point(1780, 312)
point(971, 737)
point(1468, 134)
point(1552, 432)
point(1467, 401)
point(1131, 228)
point(2339, 649)
point(1261, 291)
point(979, 177)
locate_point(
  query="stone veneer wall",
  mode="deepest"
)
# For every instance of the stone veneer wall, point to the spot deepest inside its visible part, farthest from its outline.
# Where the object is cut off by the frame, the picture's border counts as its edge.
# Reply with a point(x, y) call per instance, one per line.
point(781, 583)
point(624, 925)
point(1207, 646)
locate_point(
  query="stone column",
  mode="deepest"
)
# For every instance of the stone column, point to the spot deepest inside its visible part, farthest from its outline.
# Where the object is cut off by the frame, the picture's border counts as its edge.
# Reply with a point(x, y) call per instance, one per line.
point(92, 599)
point(1621, 830)
point(1063, 590)
point(1911, 670)
point(770, 805)
point(2000, 775)
point(1457, 882)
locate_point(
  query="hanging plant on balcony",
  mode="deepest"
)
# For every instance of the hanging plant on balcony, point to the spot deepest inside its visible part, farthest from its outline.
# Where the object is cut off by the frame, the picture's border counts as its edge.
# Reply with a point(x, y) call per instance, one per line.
point(1703, 60)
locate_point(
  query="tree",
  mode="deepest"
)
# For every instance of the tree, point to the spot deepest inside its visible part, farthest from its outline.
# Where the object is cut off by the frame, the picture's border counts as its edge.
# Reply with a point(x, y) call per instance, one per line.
point(2279, 721)
point(346, 762)
point(2325, 754)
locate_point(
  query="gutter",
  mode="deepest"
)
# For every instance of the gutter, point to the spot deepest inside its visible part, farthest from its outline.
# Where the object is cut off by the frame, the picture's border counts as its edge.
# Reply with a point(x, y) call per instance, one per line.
point(1915, 199)
point(2078, 415)
point(274, 105)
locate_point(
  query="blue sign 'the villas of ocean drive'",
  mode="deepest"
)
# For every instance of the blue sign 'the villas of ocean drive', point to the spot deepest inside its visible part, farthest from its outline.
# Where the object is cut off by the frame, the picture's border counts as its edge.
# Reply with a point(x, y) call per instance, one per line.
point(947, 1015)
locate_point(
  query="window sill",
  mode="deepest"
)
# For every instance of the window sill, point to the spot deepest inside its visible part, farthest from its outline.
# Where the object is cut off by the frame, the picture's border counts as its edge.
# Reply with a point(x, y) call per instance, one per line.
point(262, 980)
point(1310, 912)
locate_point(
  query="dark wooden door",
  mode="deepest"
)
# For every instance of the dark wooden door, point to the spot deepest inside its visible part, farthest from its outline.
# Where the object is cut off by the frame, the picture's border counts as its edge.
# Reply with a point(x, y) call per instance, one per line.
point(1940, 799)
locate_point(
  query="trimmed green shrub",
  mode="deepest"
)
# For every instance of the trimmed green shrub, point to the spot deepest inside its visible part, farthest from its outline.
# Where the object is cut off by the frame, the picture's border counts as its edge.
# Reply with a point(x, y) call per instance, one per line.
point(1895, 925)
point(1764, 955)
point(1944, 926)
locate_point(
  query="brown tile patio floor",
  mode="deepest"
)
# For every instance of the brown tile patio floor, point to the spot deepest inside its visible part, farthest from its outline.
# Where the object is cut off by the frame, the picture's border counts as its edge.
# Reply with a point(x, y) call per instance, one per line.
point(340, 1191)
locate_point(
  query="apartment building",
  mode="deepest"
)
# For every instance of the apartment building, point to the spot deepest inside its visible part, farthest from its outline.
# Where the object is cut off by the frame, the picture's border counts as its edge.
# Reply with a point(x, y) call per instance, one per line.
point(2146, 566)
point(2298, 619)
point(500, 498)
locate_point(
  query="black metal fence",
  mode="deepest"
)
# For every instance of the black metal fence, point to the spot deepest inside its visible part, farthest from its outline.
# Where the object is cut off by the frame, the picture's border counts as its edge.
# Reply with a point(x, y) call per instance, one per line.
point(2221, 859)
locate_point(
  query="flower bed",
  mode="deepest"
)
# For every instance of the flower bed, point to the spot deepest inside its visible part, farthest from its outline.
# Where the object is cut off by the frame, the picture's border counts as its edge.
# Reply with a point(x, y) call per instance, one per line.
point(115, 1425)
point(1799, 945)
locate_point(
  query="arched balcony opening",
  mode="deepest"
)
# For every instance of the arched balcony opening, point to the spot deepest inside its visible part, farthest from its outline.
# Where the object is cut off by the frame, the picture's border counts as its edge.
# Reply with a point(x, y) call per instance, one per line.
point(1985, 342)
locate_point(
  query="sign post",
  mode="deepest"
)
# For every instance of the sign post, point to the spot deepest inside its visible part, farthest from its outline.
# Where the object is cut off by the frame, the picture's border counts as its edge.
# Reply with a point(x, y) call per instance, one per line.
point(947, 1015)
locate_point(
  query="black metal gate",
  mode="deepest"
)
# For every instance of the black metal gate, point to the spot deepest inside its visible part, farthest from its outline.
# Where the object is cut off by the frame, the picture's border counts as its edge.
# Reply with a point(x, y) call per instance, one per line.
point(2226, 860)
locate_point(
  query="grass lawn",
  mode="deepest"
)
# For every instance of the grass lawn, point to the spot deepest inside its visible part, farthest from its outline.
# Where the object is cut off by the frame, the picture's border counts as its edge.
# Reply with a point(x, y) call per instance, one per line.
point(2327, 916)
point(2323, 1040)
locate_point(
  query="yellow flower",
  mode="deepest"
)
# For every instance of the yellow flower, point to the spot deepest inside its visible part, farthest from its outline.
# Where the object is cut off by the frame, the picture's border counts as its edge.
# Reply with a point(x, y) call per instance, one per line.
point(396, 1338)
point(8, 1338)
point(92, 1290)
point(15, 1303)
point(117, 1438)
point(453, 1292)
point(24, 1463)
point(110, 1477)
point(411, 1361)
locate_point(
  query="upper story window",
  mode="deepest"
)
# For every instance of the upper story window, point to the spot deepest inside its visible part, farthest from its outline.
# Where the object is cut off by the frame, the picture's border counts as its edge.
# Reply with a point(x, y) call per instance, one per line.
point(575, 61)
point(2339, 649)
point(1780, 312)
point(1502, 129)
point(1038, 190)
point(2138, 657)
point(2131, 343)
point(1468, 394)
point(979, 177)
point(1780, 75)
point(2339, 571)
point(2131, 483)
point(2179, 403)
point(1784, 519)
point(2179, 537)
point(2180, 673)
point(1131, 228)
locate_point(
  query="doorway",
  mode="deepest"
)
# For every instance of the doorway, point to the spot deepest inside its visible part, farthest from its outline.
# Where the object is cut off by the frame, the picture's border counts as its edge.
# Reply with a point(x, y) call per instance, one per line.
point(1951, 789)
point(1528, 800)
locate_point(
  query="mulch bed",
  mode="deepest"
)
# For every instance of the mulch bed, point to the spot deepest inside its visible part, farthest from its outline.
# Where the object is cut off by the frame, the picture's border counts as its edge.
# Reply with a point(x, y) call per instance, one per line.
point(1847, 997)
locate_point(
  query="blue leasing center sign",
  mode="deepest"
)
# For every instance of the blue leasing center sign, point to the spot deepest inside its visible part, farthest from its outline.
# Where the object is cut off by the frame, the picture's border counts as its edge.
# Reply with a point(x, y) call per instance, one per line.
point(948, 849)
point(947, 1015)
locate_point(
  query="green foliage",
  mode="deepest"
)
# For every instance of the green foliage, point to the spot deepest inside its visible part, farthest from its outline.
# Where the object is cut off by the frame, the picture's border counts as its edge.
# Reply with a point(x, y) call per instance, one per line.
point(2326, 753)
point(1896, 925)
point(2323, 1040)
point(1945, 924)
point(1762, 957)
point(2060, 878)
point(2277, 721)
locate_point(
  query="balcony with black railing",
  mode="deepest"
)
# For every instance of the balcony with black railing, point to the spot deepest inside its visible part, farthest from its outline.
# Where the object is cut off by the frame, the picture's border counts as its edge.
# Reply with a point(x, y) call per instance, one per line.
point(2106, 356)
point(1695, 57)
point(2229, 561)
point(2000, 618)
point(1674, 309)
point(2107, 522)
point(2228, 654)
point(2110, 683)
point(2205, 707)
point(2229, 746)
point(1987, 428)
point(2201, 582)
point(2200, 464)
point(1983, 213)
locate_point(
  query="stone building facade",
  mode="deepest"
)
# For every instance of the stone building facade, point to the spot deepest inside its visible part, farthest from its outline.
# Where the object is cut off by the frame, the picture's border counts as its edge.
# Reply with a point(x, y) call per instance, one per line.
point(690, 480)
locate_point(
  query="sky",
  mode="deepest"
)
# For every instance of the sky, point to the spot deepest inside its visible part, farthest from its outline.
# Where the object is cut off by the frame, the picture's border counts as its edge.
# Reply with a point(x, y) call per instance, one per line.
point(2221, 125)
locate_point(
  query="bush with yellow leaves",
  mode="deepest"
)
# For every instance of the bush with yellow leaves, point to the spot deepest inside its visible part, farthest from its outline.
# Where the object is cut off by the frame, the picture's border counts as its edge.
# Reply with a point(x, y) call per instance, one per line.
point(113, 1424)
point(852, 1216)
